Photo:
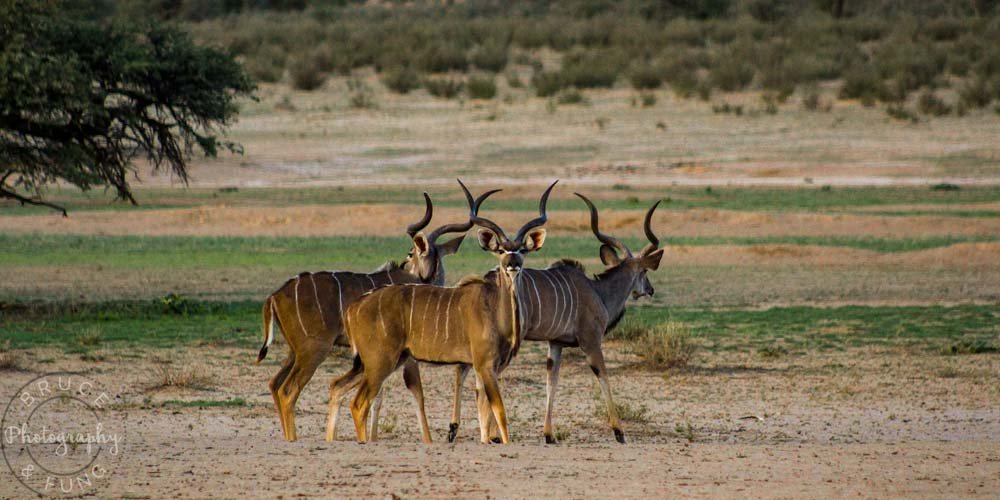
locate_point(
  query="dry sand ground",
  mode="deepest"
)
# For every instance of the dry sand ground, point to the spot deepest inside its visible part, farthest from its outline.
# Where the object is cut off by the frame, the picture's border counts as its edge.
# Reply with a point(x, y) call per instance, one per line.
point(873, 423)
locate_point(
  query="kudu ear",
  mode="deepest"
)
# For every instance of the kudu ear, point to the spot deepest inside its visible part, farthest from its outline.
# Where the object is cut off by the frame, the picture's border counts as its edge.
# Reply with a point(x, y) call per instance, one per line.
point(489, 241)
point(534, 239)
point(420, 244)
point(651, 260)
point(609, 256)
point(451, 247)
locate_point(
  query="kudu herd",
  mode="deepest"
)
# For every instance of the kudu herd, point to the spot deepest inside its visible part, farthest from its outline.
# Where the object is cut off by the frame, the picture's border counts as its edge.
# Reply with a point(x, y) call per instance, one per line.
point(402, 314)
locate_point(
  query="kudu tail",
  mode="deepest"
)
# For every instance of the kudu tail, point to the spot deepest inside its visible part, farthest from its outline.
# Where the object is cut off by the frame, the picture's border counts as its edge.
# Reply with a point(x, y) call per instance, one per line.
point(268, 319)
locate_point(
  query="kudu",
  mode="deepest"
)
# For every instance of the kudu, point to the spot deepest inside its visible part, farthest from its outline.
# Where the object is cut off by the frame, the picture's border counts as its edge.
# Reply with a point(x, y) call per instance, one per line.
point(477, 323)
point(309, 309)
point(565, 308)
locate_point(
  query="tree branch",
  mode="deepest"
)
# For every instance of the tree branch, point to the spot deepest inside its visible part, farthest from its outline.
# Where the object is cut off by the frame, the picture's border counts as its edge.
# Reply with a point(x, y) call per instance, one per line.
point(4, 193)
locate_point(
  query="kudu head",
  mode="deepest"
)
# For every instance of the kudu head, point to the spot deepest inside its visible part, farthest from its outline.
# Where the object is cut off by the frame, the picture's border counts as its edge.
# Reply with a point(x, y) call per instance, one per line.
point(614, 253)
point(424, 259)
point(511, 252)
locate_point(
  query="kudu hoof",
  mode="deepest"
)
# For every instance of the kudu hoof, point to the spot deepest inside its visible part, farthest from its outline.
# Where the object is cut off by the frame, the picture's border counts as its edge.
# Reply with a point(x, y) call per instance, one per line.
point(619, 436)
point(452, 432)
point(496, 440)
point(550, 440)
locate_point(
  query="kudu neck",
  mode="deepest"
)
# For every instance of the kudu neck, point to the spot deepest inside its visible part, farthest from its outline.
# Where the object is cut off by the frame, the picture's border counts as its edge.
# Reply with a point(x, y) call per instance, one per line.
point(437, 280)
point(614, 287)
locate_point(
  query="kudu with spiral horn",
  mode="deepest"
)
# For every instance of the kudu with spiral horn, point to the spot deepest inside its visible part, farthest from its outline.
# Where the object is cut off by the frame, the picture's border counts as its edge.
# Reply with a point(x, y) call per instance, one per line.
point(475, 323)
point(309, 308)
point(563, 306)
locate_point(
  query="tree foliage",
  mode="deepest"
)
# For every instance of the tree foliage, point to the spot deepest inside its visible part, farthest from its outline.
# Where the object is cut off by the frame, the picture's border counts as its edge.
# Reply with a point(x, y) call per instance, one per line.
point(80, 101)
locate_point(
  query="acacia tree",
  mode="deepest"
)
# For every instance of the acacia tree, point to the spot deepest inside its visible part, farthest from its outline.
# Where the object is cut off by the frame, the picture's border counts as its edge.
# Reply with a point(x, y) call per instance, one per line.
point(80, 101)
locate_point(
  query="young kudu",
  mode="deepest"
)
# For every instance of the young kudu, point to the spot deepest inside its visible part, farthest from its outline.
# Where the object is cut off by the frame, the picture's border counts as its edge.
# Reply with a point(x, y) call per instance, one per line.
point(565, 308)
point(476, 323)
point(309, 309)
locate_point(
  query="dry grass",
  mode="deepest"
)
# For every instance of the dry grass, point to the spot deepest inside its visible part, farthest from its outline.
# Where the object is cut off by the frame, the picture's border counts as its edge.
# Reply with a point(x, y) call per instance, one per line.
point(190, 377)
point(667, 345)
point(92, 337)
point(10, 360)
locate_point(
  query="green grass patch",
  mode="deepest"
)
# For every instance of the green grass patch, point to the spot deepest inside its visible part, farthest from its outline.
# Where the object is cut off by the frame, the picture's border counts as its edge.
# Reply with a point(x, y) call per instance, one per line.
point(204, 403)
point(799, 328)
point(958, 329)
point(355, 252)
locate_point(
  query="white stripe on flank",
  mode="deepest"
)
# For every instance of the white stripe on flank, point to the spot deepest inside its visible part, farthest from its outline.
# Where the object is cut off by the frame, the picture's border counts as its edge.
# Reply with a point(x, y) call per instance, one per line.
point(298, 281)
point(447, 317)
point(319, 305)
point(413, 293)
point(380, 319)
point(552, 324)
point(374, 286)
point(437, 317)
point(389, 276)
point(538, 298)
point(340, 294)
point(569, 296)
point(565, 303)
point(423, 319)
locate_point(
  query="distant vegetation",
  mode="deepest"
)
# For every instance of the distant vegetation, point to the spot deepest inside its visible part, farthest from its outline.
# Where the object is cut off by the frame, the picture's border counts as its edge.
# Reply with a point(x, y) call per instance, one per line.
point(878, 51)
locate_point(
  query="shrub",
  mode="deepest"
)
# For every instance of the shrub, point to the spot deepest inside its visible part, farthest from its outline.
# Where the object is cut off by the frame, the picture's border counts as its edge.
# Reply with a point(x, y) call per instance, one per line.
point(490, 57)
point(647, 99)
point(975, 93)
point(513, 80)
point(546, 83)
point(971, 347)
point(944, 28)
point(481, 87)
point(10, 360)
point(591, 69)
point(667, 345)
point(644, 76)
point(267, 64)
point(812, 101)
point(731, 72)
point(400, 80)
point(726, 108)
point(899, 112)
point(571, 96)
point(361, 95)
point(930, 104)
point(862, 82)
point(442, 57)
point(305, 75)
point(770, 102)
point(445, 87)
point(684, 32)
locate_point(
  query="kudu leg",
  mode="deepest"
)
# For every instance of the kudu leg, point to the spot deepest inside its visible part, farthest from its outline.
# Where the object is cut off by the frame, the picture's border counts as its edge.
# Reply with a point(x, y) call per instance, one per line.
point(483, 407)
point(492, 390)
point(596, 359)
point(492, 431)
point(275, 384)
point(302, 371)
point(411, 377)
point(369, 388)
point(374, 417)
point(338, 388)
point(461, 371)
point(552, 367)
